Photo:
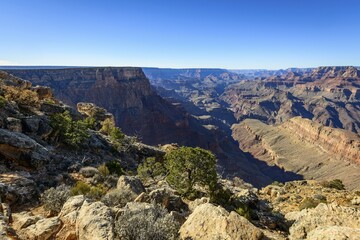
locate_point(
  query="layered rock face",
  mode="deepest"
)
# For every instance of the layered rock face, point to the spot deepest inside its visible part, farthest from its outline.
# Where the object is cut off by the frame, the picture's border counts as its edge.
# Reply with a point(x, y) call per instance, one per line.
point(304, 147)
point(327, 95)
point(126, 93)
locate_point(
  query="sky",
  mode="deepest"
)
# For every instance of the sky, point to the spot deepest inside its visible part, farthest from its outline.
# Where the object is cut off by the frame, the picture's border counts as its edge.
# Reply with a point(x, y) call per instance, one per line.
point(231, 34)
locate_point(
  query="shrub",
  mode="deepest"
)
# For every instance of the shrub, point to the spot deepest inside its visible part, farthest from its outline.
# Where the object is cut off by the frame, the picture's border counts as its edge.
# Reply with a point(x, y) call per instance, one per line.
point(90, 123)
point(188, 167)
point(82, 188)
point(245, 211)
point(73, 133)
point(146, 223)
point(336, 184)
point(54, 198)
point(118, 197)
point(115, 168)
point(103, 170)
point(151, 168)
point(2, 102)
point(220, 195)
point(310, 203)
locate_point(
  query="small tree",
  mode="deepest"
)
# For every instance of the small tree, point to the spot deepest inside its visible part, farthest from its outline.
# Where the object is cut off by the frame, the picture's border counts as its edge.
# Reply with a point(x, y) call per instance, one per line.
point(151, 168)
point(71, 132)
point(189, 166)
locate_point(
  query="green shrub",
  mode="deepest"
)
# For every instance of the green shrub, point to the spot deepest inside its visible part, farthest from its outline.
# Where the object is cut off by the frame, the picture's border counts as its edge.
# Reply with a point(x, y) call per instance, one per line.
point(103, 170)
point(114, 167)
point(245, 211)
point(146, 223)
point(80, 188)
point(83, 188)
point(54, 198)
point(116, 135)
point(151, 168)
point(73, 133)
point(336, 184)
point(90, 123)
point(188, 167)
point(221, 195)
point(2, 102)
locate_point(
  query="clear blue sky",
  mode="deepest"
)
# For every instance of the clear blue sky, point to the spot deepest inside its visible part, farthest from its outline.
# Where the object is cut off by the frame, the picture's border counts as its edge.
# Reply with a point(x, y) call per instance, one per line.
point(180, 33)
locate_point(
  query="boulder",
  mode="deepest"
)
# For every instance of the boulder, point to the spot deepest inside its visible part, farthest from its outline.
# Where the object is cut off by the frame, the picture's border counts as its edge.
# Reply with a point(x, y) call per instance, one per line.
point(131, 183)
point(197, 202)
point(68, 215)
point(95, 221)
point(22, 149)
point(211, 222)
point(324, 216)
point(24, 219)
point(42, 230)
point(88, 171)
point(14, 124)
point(17, 188)
point(334, 232)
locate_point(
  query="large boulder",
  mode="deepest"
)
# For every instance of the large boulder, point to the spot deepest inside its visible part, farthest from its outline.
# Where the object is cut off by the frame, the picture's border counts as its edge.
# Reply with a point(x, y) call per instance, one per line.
point(130, 183)
point(17, 188)
point(325, 219)
point(211, 222)
point(22, 149)
point(42, 230)
point(68, 215)
point(95, 221)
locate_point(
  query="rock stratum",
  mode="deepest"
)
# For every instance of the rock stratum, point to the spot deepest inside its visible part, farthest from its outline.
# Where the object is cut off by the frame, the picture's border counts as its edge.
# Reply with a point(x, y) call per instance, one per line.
point(327, 95)
point(299, 145)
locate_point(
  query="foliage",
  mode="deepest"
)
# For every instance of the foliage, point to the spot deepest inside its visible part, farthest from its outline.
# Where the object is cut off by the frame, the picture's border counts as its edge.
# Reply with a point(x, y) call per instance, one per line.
point(90, 123)
point(118, 197)
point(103, 170)
point(22, 97)
point(2, 102)
point(146, 223)
point(245, 211)
point(116, 135)
point(336, 184)
point(54, 198)
point(151, 168)
point(188, 167)
point(310, 203)
point(114, 167)
point(71, 132)
point(221, 195)
point(82, 188)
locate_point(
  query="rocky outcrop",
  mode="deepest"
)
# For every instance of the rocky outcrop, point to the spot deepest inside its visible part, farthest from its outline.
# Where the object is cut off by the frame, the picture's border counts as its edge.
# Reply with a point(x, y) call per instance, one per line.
point(211, 222)
point(327, 95)
point(324, 219)
point(303, 147)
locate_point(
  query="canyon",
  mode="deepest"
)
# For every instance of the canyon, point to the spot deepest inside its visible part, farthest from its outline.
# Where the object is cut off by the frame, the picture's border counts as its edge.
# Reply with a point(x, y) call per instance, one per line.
point(236, 114)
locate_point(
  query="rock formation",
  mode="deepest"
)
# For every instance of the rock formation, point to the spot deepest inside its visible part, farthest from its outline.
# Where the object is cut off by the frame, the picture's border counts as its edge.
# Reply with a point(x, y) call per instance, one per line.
point(304, 147)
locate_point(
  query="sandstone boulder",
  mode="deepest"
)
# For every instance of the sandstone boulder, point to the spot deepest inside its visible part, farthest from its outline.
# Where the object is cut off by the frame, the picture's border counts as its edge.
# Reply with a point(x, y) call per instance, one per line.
point(24, 219)
point(68, 215)
point(211, 222)
point(95, 221)
point(130, 183)
point(42, 230)
point(334, 232)
point(324, 216)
